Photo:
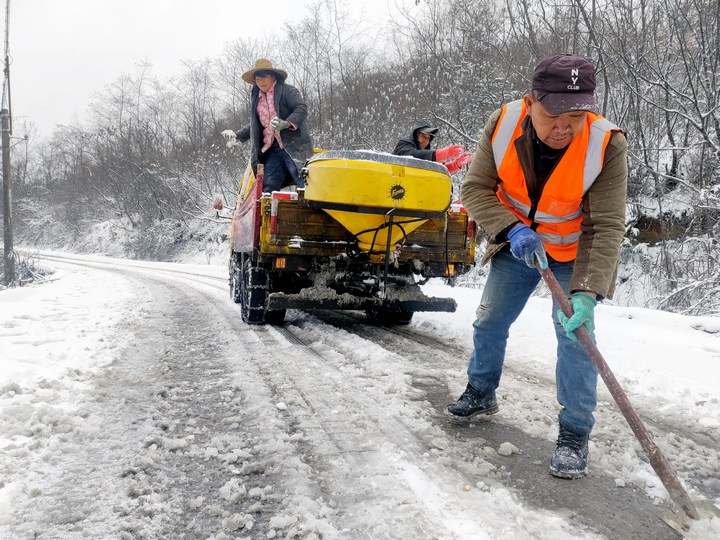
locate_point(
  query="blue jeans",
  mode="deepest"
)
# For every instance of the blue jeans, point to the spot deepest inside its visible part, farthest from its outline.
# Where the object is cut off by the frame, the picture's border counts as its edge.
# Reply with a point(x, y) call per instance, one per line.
point(509, 284)
point(278, 163)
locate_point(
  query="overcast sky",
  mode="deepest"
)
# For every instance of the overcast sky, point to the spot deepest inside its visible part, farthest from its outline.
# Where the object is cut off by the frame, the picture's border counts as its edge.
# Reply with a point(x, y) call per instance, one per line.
point(64, 51)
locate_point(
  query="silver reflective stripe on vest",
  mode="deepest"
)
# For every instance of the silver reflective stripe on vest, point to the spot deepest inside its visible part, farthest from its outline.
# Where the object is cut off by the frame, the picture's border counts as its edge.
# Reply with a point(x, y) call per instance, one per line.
point(524, 209)
point(558, 239)
point(541, 217)
point(504, 131)
point(594, 152)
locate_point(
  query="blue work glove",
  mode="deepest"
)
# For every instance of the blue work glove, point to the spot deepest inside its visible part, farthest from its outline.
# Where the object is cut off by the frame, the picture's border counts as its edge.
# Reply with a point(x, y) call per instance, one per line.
point(526, 244)
point(277, 124)
point(583, 306)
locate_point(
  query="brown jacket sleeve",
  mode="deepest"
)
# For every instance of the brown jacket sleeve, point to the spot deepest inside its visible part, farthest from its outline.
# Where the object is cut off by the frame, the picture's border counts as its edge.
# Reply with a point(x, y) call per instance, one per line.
point(603, 208)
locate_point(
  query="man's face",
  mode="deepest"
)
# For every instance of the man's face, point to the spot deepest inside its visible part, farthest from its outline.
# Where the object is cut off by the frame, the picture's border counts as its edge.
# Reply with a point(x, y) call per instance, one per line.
point(555, 130)
point(265, 81)
point(423, 140)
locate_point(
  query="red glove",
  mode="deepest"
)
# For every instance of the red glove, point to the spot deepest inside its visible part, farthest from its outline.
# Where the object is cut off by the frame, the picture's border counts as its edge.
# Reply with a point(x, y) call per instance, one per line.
point(443, 154)
point(459, 162)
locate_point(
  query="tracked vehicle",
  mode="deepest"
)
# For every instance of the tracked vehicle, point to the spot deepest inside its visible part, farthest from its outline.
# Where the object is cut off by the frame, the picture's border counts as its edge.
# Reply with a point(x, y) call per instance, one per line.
point(364, 234)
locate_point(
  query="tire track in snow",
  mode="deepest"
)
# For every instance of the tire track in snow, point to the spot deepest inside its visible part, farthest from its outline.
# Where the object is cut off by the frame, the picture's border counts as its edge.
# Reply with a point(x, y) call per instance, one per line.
point(346, 442)
point(225, 457)
point(188, 443)
point(357, 418)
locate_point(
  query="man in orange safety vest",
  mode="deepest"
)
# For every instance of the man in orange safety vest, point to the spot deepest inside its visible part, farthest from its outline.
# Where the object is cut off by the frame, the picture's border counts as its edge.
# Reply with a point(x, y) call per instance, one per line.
point(548, 184)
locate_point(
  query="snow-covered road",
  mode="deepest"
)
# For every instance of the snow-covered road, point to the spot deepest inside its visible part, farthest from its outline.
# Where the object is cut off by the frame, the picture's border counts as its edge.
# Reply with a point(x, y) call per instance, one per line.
point(171, 418)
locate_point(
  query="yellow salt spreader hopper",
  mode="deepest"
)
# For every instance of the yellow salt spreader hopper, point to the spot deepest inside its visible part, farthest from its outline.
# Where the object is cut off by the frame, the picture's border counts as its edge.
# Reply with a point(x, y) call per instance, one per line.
point(379, 198)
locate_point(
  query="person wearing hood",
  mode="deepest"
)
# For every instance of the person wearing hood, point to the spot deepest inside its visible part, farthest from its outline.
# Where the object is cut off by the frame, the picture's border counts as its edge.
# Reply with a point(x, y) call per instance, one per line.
point(277, 127)
point(418, 146)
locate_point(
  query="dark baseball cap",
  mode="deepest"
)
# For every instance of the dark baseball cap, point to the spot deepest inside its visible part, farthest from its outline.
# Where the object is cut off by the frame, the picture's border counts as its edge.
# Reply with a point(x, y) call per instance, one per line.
point(564, 83)
point(429, 130)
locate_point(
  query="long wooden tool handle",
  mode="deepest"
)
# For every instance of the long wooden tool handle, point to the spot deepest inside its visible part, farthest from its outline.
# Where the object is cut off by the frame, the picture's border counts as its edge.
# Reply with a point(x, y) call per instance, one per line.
point(657, 459)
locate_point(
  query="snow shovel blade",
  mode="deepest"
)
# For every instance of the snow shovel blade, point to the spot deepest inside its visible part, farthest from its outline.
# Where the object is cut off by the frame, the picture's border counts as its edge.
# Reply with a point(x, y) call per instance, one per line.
point(680, 521)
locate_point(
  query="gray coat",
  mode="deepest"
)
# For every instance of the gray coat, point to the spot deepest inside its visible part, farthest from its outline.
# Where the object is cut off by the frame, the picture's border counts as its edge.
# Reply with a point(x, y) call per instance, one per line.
point(289, 105)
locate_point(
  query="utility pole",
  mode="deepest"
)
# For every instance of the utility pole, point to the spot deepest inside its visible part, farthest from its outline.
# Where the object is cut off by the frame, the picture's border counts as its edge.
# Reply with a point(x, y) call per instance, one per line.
point(6, 127)
point(9, 255)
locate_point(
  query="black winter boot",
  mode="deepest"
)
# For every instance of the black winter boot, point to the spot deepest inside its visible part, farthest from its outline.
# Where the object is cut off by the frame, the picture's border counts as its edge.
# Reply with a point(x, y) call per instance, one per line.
point(571, 455)
point(473, 402)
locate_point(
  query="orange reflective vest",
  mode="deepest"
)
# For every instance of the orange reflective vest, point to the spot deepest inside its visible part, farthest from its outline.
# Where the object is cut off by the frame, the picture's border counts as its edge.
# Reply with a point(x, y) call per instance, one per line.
point(558, 212)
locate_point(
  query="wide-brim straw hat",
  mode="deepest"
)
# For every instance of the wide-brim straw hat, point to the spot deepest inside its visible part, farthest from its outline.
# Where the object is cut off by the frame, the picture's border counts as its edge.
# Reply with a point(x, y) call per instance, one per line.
point(263, 64)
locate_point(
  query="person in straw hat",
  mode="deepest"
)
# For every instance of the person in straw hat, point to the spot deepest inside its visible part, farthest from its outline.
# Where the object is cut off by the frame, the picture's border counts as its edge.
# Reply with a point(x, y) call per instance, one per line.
point(277, 127)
